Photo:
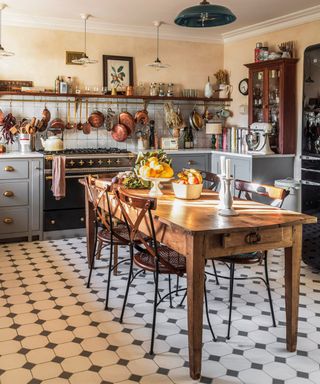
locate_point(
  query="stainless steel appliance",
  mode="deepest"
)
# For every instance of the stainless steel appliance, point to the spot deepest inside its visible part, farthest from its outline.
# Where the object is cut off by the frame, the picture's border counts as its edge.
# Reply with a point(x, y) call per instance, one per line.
point(258, 138)
point(66, 217)
point(310, 161)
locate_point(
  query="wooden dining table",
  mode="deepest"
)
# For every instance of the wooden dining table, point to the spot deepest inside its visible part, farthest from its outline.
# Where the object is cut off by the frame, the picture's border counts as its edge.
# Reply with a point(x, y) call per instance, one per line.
point(196, 230)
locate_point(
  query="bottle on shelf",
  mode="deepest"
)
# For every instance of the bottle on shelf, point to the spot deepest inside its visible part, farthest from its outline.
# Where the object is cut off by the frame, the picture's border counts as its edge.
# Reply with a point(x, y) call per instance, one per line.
point(57, 85)
point(69, 84)
point(188, 138)
point(191, 137)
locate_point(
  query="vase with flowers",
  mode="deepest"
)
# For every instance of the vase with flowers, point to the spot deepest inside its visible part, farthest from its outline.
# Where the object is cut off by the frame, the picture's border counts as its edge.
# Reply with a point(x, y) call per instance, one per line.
point(225, 89)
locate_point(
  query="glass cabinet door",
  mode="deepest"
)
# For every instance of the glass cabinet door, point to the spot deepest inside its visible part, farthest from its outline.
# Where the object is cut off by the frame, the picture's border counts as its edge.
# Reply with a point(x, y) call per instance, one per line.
point(274, 97)
point(257, 97)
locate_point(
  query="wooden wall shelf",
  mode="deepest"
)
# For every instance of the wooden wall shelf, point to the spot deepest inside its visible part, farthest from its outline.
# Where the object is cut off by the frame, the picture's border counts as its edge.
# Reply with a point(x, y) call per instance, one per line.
point(117, 97)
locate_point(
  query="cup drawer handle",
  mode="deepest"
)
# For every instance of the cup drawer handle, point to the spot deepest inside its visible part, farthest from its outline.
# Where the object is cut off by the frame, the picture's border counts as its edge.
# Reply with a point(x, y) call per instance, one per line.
point(253, 238)
point(8, 194)
point(8, 168)
point(8, 220)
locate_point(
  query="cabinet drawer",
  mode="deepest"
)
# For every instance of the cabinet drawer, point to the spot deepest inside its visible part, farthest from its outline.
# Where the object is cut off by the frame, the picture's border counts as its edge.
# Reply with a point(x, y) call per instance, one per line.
point(16, 193)
point(256, 237)
point(189, 161)
point(14, 169)
point(14, 220)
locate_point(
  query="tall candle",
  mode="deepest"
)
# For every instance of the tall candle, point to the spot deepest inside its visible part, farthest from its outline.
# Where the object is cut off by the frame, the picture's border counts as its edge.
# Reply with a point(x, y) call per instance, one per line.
point(223, 165)
point(228, 168)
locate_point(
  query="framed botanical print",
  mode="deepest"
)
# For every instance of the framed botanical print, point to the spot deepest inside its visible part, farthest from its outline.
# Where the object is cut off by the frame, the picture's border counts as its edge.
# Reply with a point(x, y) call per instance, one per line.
point(117, 72)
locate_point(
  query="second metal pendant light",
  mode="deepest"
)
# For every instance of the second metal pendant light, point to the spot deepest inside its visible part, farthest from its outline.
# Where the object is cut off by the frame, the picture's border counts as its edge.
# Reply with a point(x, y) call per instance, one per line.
point(157, 64)
point(84, 59)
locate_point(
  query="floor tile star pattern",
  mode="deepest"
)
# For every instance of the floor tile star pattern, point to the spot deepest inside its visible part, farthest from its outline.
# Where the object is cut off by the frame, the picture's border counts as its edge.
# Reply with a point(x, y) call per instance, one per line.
point(54, 330)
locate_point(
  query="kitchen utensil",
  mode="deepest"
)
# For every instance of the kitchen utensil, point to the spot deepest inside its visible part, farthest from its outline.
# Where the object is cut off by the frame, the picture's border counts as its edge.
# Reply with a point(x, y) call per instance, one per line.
point(196, 120)
point(74, 125)
point(46, 115)
point(79, 125)
point(96, 119)
point(109, 119)
point(86, 127)
point(68, 125)
point(57, 124)
point(127, 119)
point(142, 117)
point(119, 132)
point(53, 143)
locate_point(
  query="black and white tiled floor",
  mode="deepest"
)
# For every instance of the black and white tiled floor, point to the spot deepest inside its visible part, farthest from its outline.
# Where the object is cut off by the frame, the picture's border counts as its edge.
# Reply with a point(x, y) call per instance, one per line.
point(55, 330)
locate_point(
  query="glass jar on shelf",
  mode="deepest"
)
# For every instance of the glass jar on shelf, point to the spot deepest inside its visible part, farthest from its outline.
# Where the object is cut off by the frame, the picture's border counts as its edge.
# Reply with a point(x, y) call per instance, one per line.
point(161, 89)
point(170, 90)
point(153, 89)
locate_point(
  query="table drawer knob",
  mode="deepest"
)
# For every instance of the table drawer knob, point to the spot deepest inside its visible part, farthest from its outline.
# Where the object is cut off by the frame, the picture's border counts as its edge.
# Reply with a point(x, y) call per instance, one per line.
point(82, 219)
point(252, 238)
point(8, 194)
point(8, 220)
point(52, 222)
point(8, 168)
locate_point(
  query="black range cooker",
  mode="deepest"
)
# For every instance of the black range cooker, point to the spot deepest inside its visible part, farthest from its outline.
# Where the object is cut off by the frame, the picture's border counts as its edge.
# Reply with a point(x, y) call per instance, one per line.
point(62, 216)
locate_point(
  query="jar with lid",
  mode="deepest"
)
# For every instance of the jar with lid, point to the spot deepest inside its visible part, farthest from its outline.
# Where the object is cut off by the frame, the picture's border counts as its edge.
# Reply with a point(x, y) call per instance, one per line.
point(170, 90)
point(161, 90)
point(257, 52)
point(153, 89)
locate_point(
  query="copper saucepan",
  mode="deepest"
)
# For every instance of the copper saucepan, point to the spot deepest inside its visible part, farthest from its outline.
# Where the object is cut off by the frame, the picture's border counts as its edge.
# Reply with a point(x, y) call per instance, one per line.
point(119, 132)
point(96, 119)
point(125, 118)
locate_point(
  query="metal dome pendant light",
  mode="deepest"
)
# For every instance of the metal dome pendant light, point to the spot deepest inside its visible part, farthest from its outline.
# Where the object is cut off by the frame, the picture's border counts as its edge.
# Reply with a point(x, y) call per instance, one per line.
point(3, 52)
point(205, 15)
point(157, 64)
point(84, 59)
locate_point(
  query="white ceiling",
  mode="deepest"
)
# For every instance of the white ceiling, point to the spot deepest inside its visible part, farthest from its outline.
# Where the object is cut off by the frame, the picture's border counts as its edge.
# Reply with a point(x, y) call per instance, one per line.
point(136, 16)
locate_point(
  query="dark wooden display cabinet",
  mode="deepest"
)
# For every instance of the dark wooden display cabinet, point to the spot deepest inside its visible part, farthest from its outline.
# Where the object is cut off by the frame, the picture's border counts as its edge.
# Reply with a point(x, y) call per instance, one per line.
point(272, 99)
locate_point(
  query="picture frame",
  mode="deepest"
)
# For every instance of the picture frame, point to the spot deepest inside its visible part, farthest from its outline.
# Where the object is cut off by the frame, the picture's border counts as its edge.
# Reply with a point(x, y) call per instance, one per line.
point(117, 72)
point(73, 55)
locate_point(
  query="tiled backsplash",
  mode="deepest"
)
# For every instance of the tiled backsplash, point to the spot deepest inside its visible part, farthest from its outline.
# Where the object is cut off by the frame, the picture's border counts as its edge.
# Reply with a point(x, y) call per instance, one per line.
point(33, 106)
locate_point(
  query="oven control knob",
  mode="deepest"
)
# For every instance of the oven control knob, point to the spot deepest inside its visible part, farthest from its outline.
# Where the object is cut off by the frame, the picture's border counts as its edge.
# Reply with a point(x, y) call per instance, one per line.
point(52, 222)
point(109, 161)
point(100, 162)
point(90, 162)
point(72, 163)
point(81, 162)
point(118, 161)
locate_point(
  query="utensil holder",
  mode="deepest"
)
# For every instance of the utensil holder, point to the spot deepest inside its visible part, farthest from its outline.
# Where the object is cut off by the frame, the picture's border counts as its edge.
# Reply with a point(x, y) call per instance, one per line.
point(227, 200)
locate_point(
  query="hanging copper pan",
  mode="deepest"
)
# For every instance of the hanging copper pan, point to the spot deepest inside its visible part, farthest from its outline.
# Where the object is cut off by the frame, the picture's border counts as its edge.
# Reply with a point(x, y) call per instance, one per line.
point(119, 132)
point(127, 119)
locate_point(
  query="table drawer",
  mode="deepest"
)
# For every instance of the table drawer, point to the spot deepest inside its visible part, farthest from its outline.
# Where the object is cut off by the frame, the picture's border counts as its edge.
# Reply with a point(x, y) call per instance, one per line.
point(14, 169)
point(14, 193)
point(14, 220)
point(256, 237)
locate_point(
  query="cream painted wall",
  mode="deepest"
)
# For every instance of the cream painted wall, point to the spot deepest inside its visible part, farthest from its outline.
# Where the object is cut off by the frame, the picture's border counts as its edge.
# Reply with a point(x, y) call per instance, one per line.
point(241, 52)
point(40, 56)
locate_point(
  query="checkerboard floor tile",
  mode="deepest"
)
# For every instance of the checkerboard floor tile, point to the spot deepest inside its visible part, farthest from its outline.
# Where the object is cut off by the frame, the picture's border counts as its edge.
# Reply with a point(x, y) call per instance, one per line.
point(54, 330)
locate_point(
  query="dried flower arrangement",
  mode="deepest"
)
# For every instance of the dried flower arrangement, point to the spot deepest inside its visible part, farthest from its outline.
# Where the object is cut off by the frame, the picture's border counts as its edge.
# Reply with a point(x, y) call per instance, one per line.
point(222, 76)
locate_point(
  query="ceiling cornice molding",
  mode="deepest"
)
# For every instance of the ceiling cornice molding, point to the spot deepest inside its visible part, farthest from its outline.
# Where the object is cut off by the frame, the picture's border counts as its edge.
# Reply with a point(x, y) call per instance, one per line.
point(94, 26)
point(297, 18)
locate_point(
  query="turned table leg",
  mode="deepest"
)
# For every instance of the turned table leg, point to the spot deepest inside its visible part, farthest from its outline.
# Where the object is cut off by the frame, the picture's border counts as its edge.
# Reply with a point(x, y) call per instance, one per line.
point(90, 217)
point(292, 285)
point(195, 284)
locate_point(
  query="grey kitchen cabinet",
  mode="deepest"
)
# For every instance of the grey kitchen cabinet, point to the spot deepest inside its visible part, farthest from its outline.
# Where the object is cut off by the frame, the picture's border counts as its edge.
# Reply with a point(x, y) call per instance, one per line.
point(21, 197)
point(197, 160)
point(263, 169)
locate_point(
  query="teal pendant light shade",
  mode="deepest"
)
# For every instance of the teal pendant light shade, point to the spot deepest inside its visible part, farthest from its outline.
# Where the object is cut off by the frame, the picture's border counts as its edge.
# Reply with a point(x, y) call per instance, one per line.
point(205, 15)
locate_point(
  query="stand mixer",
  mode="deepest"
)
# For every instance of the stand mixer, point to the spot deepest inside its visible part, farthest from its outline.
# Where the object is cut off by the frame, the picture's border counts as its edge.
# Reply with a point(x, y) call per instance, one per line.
point(258, 138)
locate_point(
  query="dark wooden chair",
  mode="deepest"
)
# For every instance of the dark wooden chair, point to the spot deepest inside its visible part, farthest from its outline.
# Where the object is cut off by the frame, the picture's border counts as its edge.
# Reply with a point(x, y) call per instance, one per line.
point(151, 256)
point(211, 178)
point(108, 230)
point(275, 197)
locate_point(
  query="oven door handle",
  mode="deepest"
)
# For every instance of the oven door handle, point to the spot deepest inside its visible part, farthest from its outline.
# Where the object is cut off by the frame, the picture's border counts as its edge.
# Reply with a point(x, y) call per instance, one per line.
point(74, 176)
point(306, 182)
